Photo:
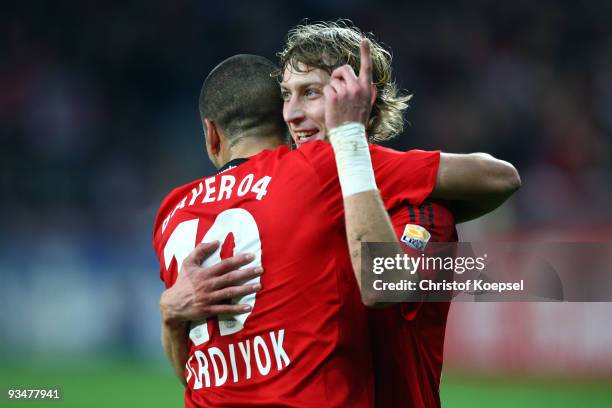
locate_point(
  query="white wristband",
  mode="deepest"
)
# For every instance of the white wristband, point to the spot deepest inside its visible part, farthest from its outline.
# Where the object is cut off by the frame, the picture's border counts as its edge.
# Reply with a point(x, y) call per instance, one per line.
point(352, 158)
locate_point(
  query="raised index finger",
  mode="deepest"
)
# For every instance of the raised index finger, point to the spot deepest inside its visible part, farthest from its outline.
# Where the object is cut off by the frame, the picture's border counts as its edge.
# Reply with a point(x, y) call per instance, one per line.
point(365, 68)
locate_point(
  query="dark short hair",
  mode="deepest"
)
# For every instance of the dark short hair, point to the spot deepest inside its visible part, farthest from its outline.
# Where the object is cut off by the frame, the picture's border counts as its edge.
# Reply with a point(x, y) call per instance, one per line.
point(242, 97)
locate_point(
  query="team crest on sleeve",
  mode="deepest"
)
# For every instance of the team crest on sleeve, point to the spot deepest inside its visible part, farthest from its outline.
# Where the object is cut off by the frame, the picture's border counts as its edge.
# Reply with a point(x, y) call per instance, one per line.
point(415, 236)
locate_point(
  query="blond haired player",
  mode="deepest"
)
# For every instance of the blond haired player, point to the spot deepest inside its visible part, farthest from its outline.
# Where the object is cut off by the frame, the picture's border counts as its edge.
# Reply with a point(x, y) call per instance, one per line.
point(318, 63)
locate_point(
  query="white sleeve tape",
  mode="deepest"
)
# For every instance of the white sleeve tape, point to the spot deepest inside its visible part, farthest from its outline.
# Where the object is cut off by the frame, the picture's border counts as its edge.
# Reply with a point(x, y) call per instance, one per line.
point(352, 158)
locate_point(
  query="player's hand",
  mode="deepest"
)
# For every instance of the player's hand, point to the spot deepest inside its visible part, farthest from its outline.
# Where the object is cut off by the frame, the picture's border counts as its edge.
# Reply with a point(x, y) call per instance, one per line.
point(200, 292)
point(349, 98)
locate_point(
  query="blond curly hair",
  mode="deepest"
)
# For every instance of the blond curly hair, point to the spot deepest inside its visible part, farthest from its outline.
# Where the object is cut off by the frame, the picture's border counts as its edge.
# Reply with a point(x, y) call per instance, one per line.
point(331, 44)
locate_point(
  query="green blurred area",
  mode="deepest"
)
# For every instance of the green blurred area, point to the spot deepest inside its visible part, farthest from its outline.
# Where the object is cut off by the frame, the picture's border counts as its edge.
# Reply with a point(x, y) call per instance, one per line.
point(469, 390)
point(124, 383)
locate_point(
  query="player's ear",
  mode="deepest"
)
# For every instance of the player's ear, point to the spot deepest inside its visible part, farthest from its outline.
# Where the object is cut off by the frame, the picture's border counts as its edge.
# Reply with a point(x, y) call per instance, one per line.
point(213, 143)
point(374, 94)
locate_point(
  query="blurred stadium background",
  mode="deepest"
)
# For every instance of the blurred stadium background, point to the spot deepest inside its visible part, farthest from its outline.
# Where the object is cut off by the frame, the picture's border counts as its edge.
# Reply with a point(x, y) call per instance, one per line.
point(99, 120)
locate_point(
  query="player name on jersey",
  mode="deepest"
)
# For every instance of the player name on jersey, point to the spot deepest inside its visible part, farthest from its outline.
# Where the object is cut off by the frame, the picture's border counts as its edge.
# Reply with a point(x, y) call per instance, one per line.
point(222, 187)
point(259, 352)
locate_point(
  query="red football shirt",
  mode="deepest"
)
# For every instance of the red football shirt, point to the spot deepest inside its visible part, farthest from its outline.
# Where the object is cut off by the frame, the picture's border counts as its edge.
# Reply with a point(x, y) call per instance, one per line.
point(408, 338)
point(305, 342)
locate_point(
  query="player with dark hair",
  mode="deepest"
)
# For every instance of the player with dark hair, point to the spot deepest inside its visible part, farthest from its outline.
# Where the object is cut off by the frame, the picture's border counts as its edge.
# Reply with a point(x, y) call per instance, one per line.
point(240, 112)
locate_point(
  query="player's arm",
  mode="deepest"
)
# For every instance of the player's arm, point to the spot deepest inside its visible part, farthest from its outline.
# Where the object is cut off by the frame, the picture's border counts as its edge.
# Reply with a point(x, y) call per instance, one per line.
point(367, 221)
point(474, 184)
point(176, 346)
point(201, 292)
point(348, 101)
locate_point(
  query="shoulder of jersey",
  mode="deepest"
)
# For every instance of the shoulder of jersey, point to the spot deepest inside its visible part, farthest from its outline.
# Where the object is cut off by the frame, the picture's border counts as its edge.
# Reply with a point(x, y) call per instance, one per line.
point(312, 152)
point(381, 149)
point(314, 146)
point(374, 148)
point(171, 200)
point(262, 158)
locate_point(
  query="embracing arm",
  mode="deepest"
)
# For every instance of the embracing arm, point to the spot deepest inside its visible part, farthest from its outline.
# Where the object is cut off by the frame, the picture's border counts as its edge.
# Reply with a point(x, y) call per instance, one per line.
point(475, 183)
point(175, 341)
point(201, 292)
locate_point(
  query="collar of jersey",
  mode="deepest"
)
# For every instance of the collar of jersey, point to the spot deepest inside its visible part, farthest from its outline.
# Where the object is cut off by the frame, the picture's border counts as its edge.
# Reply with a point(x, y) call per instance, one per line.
point(232, 163)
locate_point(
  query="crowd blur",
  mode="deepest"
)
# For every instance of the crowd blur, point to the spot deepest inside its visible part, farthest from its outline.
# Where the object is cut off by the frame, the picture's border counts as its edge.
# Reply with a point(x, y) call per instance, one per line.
point(99, 120)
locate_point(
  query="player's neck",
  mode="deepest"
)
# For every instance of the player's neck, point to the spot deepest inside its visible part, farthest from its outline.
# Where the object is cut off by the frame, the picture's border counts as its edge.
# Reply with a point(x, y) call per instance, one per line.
point(251, 146)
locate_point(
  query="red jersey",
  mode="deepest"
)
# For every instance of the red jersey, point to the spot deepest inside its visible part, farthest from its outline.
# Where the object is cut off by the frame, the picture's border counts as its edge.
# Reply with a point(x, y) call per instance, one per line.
point(305, 342)
point(408, 338)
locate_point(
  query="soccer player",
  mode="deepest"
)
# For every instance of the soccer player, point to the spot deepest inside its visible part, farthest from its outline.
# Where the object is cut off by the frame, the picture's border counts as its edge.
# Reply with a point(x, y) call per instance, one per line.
point(408, 338)
point(297, 334)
